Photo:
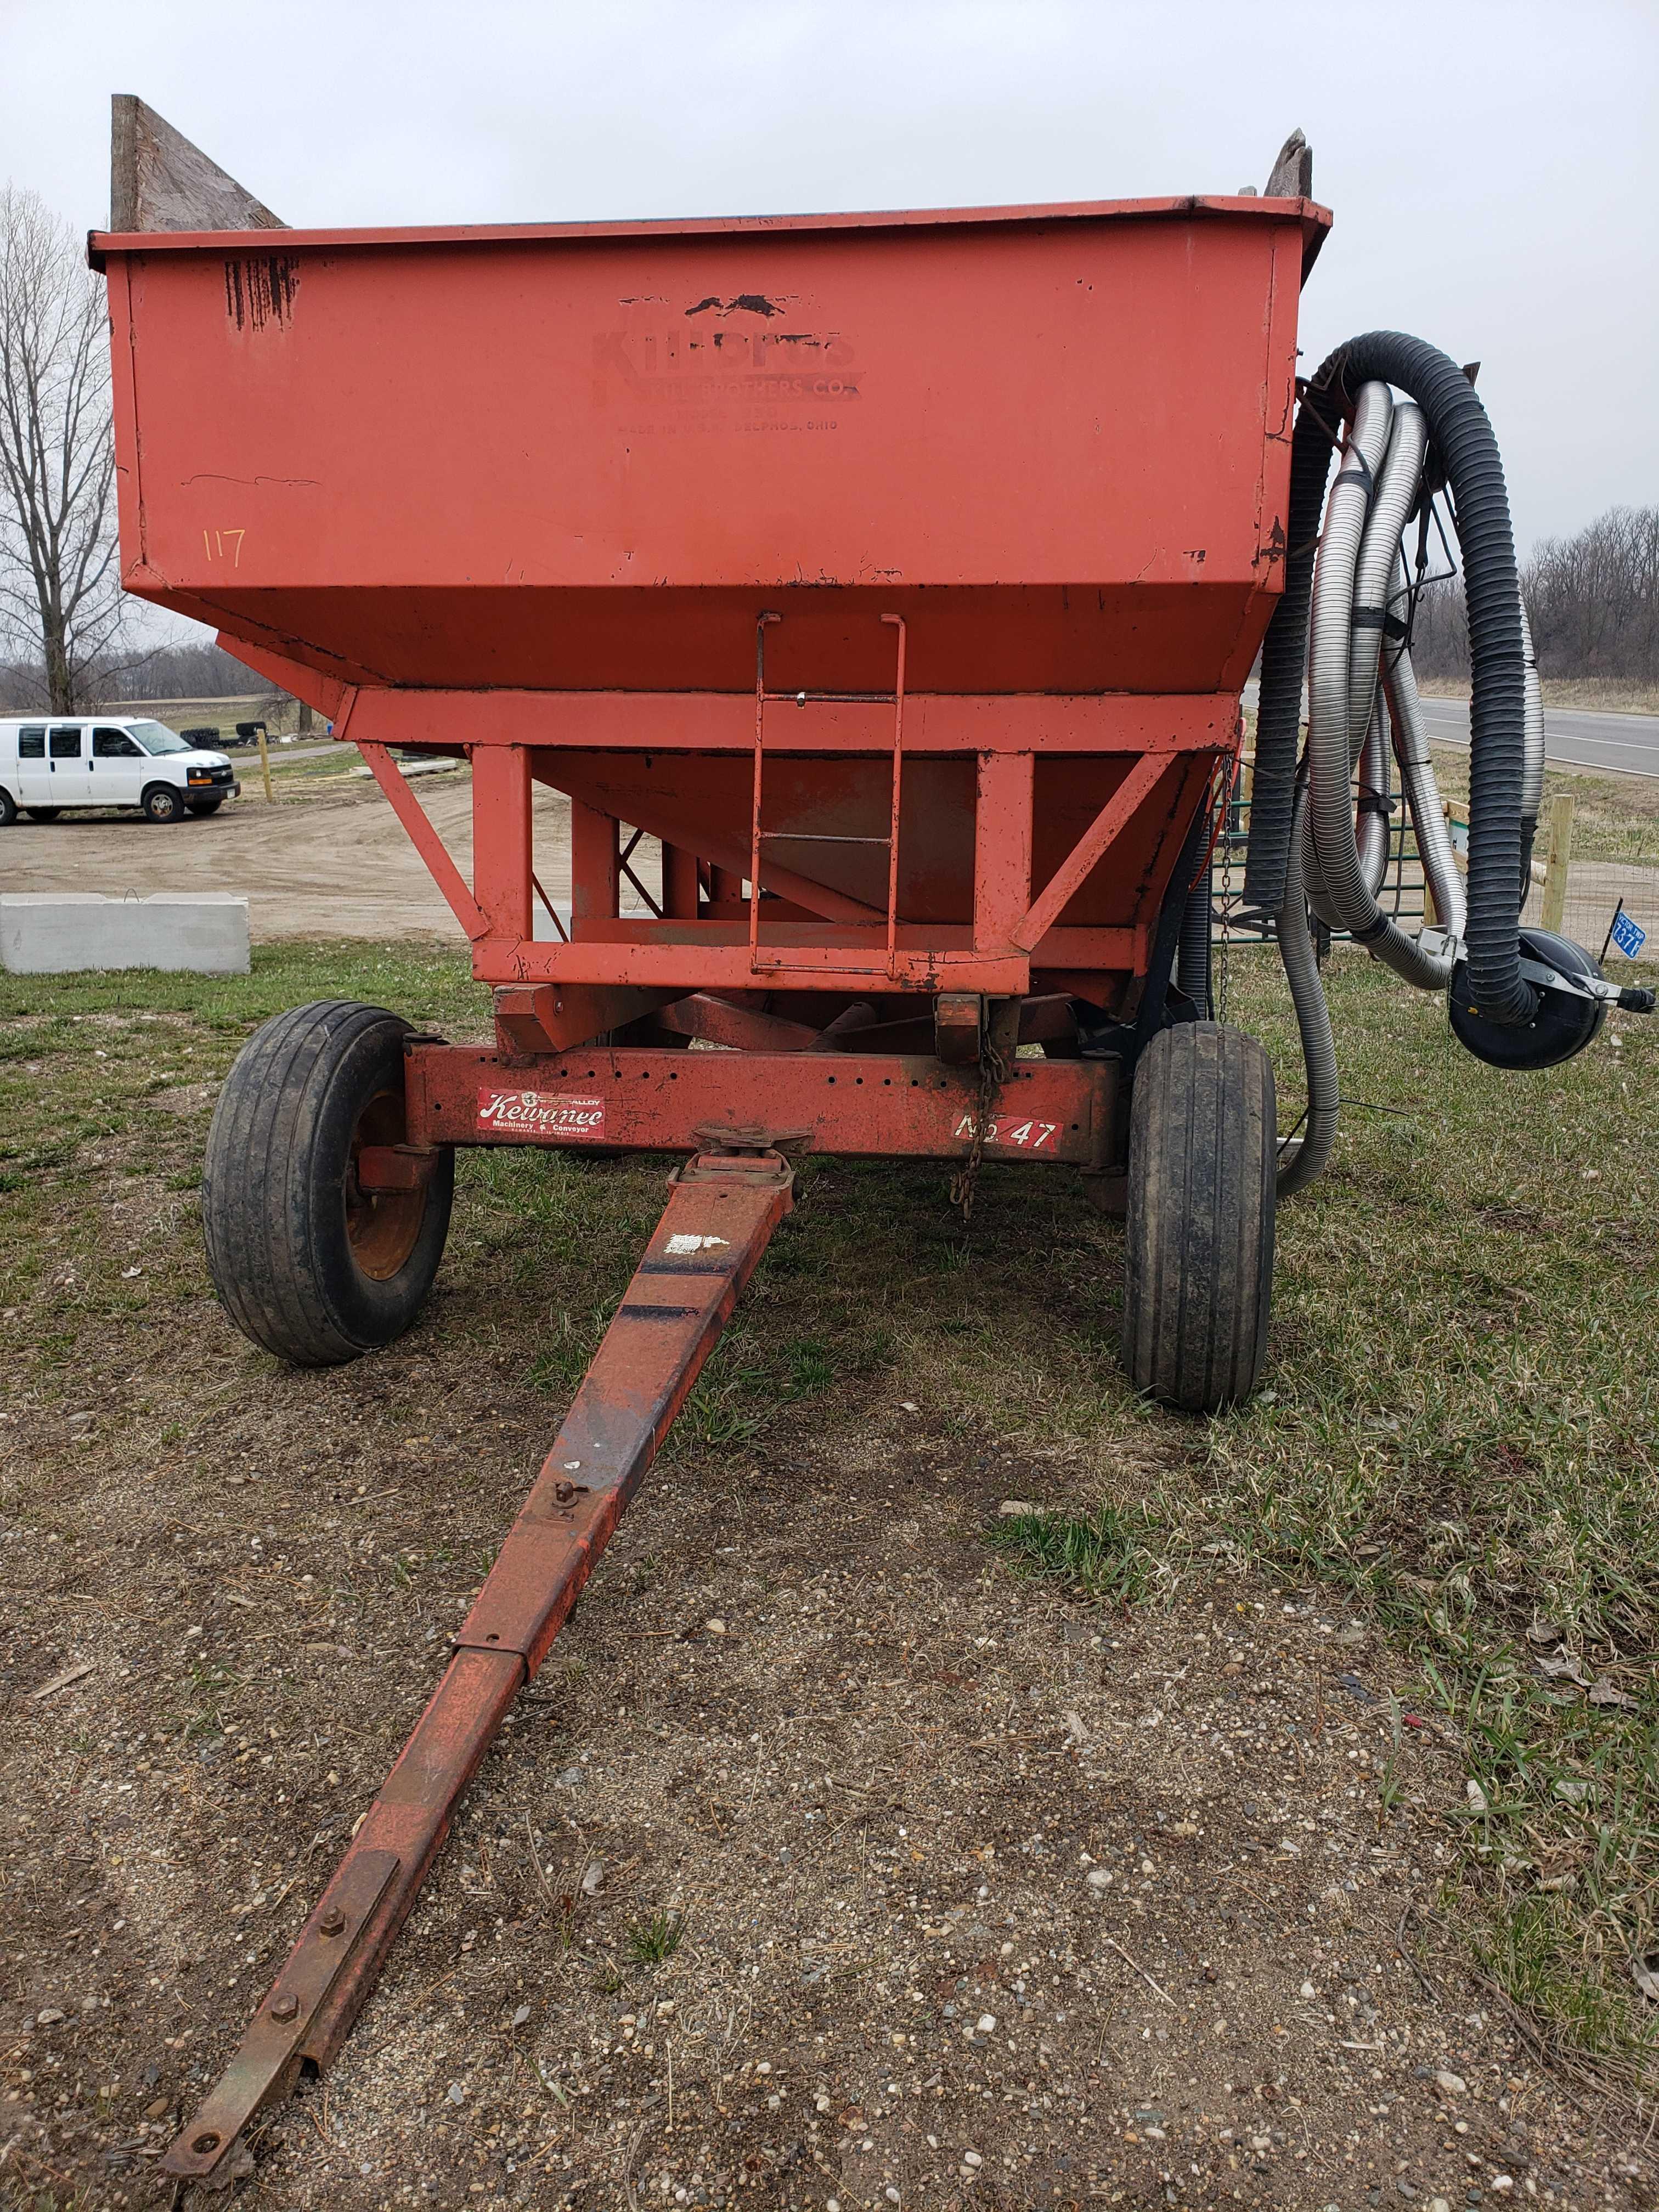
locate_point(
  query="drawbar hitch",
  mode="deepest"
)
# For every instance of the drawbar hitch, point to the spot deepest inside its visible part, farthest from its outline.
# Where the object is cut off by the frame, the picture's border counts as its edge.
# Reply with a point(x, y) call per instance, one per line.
point(723, 1207)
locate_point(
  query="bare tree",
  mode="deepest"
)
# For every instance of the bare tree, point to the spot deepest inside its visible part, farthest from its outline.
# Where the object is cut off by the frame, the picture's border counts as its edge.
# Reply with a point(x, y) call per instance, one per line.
point(60, 586)
point(1592, 598)
point(182, 669)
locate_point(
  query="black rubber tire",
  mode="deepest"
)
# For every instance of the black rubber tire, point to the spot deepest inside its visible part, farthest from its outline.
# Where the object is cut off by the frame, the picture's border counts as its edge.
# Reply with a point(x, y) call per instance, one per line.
point(8, 808)
point(291, 1243)
point(43, 813)
point(1203, 1145)
point(202, 806)
point(162, 802)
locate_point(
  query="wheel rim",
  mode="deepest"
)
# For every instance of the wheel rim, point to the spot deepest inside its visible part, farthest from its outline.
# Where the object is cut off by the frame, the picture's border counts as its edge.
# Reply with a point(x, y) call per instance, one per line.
point(382, 1227)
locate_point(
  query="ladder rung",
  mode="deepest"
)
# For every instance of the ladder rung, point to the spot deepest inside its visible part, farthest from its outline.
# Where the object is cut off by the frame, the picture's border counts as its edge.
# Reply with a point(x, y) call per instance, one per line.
point(889, 843)
point(828, 699)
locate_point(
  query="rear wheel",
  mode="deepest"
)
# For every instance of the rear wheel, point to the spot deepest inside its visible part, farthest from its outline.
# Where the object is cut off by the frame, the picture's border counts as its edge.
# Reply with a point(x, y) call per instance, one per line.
point(315, 1253)
point(8, 808)
point(162, 803)
point(43, 813)
point(1198, 1286)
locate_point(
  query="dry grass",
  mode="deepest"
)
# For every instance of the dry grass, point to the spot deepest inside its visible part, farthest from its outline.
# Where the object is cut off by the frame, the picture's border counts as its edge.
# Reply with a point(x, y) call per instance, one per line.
point(1615, 817)
point(1583, 694)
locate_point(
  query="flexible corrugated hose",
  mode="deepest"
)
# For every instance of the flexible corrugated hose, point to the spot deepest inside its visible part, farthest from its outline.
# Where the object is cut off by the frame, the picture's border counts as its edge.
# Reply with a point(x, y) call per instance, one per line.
point(1462, 437)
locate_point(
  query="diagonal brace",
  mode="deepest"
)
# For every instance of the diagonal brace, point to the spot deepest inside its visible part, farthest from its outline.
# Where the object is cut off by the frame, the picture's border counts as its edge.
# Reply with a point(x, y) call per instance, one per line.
point(1075, 870)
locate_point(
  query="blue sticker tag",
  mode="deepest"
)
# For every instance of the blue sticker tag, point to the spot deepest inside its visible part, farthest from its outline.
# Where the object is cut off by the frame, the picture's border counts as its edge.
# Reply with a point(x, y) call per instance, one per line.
point(1629, 936)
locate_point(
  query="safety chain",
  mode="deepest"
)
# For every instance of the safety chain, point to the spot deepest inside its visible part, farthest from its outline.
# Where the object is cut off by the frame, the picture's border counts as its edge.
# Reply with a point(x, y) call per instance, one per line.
point(1224, 786)
point(993, 1074)
point(1229, 785)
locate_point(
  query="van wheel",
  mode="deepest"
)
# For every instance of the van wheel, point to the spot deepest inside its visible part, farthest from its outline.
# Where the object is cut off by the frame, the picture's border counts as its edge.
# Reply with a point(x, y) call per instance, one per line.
point(1203, 1145)
point(205, 805)
point(8, 808)
point(308, 1261)
point(43, 813)
point(162, 803)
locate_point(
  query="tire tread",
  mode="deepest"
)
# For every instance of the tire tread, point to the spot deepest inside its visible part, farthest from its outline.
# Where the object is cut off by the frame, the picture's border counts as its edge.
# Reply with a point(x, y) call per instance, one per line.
point(1199, 1242)
point(267, 1193)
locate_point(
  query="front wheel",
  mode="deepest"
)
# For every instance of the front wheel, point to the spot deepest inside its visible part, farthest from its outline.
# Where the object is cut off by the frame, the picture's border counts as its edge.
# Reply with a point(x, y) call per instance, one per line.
point(323, 1238)
point(162, 803)
point(1203, 1156)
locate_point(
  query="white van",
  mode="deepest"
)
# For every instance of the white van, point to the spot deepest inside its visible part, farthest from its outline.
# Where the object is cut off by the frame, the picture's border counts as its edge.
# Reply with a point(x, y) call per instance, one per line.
point(51, 761)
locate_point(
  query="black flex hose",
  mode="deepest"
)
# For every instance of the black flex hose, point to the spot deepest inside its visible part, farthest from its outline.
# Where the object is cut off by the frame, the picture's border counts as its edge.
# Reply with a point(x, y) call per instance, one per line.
point(1193, 951)
point(1284, 655)
point(1462, 436)
point(1166, 938)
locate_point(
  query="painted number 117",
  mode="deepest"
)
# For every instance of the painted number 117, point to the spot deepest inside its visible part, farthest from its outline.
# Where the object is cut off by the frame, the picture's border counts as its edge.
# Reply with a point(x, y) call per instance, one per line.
point(224, 545)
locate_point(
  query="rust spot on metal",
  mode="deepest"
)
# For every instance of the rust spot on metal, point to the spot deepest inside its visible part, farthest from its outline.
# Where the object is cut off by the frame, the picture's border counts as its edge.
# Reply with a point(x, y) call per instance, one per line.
point(751, 303)
point(259, 290)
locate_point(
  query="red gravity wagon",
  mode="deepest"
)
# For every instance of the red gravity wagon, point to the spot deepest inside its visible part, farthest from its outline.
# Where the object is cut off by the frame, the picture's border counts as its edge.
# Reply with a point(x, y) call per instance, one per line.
point(897, 577)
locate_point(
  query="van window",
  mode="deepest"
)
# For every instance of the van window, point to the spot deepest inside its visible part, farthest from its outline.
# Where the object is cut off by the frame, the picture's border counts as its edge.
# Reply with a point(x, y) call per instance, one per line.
point(66, 742)
point(115, 744)
point(156, 737)
point(32, 741)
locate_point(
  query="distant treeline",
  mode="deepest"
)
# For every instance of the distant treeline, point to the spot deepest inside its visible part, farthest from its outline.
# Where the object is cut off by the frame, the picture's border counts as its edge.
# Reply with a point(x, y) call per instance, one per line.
point(170, 671)
point(1592, 599)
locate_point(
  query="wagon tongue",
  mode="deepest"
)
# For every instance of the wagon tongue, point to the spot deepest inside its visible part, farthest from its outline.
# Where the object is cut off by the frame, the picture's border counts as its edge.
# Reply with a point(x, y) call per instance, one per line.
point(723, 1207)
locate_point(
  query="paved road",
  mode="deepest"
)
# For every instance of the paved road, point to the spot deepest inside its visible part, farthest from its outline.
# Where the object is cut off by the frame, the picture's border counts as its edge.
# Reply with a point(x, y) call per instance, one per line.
point(1627, 743)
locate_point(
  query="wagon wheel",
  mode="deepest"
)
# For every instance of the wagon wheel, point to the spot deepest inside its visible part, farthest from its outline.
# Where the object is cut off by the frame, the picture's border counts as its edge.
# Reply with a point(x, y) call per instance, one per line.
point(1202, 1160)
point(322, 1238)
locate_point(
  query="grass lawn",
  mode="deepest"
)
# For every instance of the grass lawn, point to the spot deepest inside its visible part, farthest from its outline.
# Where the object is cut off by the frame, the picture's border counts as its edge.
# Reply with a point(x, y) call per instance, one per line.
point(304, 778)
point(1615, 817)
point(1459, 1426)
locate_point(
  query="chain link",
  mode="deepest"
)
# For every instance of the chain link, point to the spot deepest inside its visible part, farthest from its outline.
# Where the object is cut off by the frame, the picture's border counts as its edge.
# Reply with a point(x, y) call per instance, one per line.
point(1230, 775)
point(993, 1074)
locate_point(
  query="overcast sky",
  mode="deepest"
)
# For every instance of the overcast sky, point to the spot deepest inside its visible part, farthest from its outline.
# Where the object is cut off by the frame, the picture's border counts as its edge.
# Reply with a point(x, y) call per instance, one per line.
point(1491, 168)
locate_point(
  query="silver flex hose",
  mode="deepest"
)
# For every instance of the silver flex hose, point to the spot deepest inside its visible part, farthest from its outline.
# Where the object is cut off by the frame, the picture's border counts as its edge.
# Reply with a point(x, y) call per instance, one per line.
point(1387, 483)
point(1357, 499)
point(1375, 786)
point(1300, 1160)
point(1411, 743)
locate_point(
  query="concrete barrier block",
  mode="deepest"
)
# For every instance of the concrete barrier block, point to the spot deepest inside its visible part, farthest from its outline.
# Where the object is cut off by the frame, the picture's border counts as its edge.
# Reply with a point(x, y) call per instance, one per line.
point(62, 932)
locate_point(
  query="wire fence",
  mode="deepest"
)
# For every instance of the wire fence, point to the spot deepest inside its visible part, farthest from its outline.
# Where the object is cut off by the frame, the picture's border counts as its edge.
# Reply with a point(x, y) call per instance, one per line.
point(1594, 880)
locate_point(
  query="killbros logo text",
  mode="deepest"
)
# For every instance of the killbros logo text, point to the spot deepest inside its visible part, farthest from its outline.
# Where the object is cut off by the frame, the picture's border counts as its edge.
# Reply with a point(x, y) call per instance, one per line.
point(717, 350)
point(554, 1115)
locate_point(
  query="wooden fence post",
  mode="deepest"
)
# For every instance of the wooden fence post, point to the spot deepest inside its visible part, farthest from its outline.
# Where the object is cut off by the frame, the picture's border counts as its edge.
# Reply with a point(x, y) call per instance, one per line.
point(1557, 862)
